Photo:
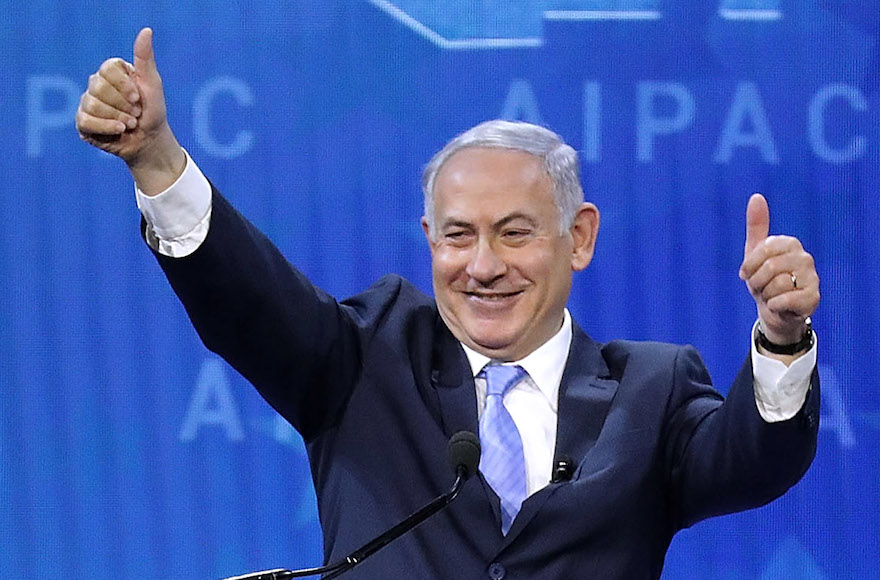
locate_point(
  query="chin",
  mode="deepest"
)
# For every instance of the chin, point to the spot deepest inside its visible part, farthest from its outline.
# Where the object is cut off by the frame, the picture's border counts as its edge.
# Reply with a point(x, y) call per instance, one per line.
point(494, 347)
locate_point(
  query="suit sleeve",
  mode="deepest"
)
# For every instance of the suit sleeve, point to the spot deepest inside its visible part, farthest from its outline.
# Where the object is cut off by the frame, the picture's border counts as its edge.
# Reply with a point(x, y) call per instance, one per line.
point(723, 457)
point(294, 342)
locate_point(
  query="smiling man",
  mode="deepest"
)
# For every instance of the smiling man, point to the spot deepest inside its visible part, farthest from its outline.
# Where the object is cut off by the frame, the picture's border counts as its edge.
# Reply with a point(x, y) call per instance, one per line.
point(594, 455)
point(502, 255)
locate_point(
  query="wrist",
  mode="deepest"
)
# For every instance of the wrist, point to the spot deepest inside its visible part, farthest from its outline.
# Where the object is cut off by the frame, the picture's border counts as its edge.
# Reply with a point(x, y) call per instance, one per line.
point(778, 346)
point(156, 167)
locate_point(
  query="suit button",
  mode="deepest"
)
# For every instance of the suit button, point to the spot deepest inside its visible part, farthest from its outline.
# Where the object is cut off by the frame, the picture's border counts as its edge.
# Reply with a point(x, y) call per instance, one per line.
point(497, 571)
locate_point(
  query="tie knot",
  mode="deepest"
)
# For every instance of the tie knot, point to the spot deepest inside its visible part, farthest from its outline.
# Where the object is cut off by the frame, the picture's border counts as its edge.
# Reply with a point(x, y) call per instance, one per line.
point(500, 378)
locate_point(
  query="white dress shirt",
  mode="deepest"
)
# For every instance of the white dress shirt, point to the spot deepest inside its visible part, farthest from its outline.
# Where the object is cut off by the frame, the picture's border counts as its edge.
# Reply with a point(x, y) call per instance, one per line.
point(533, 402)
point(177, 223)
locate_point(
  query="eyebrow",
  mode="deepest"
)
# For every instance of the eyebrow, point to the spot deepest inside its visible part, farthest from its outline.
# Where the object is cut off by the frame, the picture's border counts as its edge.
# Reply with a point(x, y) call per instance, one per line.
point(513, 217)
point(458, 223)
point(454, 223)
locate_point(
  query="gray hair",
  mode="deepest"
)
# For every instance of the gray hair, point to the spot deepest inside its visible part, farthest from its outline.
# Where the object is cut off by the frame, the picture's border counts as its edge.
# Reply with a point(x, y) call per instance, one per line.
point(560, 162)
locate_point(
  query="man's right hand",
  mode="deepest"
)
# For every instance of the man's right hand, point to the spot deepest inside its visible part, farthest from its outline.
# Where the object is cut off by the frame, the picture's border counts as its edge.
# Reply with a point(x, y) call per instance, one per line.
point(123, 112)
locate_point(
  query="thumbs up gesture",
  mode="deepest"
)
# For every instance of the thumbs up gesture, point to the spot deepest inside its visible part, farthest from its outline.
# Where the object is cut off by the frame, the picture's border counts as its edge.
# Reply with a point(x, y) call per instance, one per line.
point(123, 112)
point(780, 275)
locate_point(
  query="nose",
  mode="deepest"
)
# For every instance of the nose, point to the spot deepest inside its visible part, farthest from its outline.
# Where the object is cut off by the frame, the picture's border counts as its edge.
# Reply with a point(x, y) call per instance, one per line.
point(485, 265)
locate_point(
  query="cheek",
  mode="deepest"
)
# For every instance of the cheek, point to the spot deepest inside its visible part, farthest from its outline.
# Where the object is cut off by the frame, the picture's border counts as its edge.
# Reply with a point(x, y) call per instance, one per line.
point(549, 274)
point(539, 264)
point(448, 264)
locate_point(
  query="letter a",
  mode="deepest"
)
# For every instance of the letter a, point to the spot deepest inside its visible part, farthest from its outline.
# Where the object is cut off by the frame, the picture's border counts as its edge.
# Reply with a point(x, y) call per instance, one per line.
point(521, 104)
point(747, 106)
point(212, 404)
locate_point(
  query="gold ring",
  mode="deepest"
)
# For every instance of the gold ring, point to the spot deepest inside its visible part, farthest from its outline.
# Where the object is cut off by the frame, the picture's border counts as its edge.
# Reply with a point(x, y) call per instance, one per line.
point(793, 281)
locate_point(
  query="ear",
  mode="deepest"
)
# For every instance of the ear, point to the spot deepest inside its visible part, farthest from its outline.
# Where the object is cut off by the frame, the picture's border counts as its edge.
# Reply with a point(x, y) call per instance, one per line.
point(427, 231)
point(583, 234)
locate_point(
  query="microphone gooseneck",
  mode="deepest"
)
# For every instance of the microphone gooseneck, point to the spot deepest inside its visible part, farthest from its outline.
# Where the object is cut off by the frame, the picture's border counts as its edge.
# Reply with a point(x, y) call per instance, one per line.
point(464, 459)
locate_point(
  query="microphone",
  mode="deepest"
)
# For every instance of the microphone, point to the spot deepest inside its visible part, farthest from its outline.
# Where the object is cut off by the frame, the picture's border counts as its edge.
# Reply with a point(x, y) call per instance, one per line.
point(563, 470)
point(464, 459)
point(464, 454)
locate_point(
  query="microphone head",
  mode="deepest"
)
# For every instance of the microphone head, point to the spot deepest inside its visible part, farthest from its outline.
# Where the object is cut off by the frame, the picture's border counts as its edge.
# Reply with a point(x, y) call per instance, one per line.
point(464, 453)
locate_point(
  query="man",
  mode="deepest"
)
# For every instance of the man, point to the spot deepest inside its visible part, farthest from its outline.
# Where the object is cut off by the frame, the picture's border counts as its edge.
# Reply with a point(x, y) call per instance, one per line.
point(640, 443)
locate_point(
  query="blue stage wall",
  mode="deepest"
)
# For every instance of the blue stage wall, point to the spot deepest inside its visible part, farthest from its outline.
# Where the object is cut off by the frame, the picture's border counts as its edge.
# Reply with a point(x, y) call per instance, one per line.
point(128, 450)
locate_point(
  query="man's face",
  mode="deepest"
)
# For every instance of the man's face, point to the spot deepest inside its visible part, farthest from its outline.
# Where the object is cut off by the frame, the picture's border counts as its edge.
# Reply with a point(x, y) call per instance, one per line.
point(501, 269)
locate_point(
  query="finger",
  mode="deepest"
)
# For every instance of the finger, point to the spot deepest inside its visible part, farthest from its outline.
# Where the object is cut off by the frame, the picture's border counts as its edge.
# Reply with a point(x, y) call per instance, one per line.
point(144, 57)
point(771, 247)
point(783, 282)
point(101, 90)
point(798, 262)
point(96, 108)
point(799, 302)
point(117, 72)
point(757, 222)
point(89, 125)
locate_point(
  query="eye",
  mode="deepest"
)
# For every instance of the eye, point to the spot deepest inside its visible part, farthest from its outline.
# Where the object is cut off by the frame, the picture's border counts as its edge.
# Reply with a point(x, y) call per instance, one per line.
point(457, 237)
point(515, 235)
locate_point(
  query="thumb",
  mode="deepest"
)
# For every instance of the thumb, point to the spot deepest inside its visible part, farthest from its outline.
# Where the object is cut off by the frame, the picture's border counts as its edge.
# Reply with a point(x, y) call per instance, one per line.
point(757, 221)
point(144, 59)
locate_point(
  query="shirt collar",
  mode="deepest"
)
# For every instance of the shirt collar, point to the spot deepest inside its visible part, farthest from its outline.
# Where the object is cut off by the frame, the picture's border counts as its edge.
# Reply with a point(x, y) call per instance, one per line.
point(545, 364)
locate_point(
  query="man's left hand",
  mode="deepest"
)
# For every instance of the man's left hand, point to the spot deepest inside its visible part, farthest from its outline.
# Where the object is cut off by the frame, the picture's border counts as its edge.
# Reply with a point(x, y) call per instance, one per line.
point(780, 275)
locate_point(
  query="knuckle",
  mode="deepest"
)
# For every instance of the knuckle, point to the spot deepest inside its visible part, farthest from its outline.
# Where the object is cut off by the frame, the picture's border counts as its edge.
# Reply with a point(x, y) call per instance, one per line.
point(756, 287)
point(773, 263)
point(781, 243)
point(98, 85)
point(87, 102)
point(109, 64)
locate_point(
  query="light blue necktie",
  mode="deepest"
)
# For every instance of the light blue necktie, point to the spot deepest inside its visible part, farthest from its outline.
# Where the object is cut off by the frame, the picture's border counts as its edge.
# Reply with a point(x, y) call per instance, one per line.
point(502, 462)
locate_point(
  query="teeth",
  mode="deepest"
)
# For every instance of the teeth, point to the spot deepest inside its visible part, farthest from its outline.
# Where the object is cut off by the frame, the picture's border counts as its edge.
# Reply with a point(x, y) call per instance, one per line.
point(492, 296)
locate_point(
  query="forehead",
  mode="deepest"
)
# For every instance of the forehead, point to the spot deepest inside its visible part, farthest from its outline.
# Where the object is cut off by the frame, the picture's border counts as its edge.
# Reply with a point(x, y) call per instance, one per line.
point(502, 179)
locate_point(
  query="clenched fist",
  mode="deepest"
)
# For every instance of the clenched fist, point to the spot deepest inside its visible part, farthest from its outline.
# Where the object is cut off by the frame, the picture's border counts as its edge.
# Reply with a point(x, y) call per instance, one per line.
point(123, 112)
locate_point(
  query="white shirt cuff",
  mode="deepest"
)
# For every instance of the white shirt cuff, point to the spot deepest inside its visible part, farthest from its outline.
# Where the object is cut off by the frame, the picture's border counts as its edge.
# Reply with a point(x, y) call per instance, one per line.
point(780, 391)
point(178, 218)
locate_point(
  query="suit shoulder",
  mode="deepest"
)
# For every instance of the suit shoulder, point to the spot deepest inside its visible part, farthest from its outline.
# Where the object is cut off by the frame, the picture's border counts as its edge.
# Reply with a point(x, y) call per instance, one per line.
point(619, 354)
point(622, 349)
point(391, 287)
point(390, 296)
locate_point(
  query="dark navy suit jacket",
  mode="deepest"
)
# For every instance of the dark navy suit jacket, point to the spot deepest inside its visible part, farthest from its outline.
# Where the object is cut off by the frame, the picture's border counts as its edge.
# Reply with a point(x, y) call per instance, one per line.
point(377, 384)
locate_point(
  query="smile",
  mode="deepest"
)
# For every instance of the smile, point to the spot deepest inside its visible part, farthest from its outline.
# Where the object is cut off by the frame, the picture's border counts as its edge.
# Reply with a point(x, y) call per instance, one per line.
point(492, 297)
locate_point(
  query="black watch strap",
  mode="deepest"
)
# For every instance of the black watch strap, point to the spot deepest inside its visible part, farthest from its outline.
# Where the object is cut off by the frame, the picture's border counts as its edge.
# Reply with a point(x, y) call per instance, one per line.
point(803, 344)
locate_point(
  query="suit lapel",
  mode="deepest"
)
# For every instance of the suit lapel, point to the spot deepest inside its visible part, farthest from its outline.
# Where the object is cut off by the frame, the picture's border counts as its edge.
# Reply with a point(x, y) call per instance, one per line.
point(453, 382)
point(585, 395)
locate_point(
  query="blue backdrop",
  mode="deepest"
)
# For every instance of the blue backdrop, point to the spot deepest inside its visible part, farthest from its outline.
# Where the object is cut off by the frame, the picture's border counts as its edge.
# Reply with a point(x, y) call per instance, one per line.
point(128, 450)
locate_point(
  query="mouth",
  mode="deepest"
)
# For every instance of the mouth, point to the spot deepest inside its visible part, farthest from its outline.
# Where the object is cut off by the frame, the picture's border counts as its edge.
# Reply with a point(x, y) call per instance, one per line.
point(493, 298)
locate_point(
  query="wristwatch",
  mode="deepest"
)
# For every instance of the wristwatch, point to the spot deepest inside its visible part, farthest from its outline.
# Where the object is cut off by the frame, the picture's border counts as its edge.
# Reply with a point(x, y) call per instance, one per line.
point(803, 344)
